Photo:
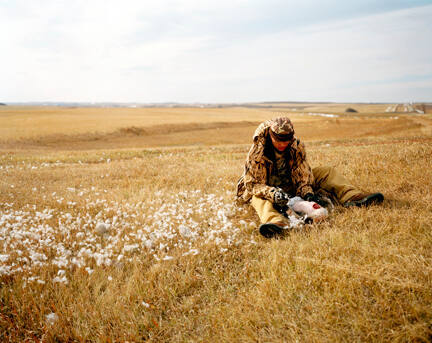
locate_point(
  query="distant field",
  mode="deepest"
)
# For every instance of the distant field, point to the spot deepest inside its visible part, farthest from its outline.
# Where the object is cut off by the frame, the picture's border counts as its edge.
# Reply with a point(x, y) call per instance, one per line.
point(326, 107)
point(26, 122)
point(99, 128)
point(176, 260)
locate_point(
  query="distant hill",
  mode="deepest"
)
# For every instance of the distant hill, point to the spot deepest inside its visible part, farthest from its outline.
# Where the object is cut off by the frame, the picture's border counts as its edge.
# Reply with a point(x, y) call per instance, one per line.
point(2, 104)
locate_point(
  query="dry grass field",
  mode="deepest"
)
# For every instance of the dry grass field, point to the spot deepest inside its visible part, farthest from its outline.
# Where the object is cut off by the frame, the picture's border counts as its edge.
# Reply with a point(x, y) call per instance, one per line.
point(119, 225)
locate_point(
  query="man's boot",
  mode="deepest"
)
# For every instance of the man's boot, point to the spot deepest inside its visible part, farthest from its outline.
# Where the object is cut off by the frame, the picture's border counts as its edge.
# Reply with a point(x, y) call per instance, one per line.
point(365, 199)
point(270, 230)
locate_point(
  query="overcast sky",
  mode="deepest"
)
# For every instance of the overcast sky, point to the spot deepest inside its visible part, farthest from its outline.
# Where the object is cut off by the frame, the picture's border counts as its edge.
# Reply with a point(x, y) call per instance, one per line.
point(216, 50)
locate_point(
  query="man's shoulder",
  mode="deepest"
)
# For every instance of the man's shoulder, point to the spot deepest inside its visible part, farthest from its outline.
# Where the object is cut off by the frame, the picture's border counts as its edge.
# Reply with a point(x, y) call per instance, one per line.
point(297, 148)
point(300, 144)
point(261, 130)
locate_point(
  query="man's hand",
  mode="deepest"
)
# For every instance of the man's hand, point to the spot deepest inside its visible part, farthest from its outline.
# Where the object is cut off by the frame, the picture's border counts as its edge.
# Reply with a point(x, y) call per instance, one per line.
point(281, 198)
point(316, 198)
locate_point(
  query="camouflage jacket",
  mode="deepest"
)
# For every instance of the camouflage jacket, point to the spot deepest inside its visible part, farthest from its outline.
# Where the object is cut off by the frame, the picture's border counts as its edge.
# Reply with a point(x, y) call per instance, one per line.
point(260, 164)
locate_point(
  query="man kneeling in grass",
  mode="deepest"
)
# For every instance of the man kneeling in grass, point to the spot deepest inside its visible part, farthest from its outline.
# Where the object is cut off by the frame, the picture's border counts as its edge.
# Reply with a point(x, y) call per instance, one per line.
point(276, 170)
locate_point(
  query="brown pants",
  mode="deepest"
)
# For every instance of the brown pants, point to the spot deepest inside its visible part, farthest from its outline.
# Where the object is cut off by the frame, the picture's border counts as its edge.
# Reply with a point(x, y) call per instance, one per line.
point(326, 178)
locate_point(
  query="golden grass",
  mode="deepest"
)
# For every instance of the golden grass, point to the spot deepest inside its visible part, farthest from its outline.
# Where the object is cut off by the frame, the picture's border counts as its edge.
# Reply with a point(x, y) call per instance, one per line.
point(113, 128)
point(363, 275)
point(21, 122)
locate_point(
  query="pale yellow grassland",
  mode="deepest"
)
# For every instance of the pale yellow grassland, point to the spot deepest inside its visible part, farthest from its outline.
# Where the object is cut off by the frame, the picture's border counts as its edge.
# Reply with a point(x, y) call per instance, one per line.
point(21, 122)
point(102, 128)
point(363, 275)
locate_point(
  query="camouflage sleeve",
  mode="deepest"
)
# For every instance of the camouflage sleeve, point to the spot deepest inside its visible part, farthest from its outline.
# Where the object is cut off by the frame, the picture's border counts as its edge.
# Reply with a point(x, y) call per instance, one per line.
point(301, 173)
point(255, 178)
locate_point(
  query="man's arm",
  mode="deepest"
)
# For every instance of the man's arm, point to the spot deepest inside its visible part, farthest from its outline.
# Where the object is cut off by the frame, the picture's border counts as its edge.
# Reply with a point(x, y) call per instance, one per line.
point(255, 178)
point(301, 172)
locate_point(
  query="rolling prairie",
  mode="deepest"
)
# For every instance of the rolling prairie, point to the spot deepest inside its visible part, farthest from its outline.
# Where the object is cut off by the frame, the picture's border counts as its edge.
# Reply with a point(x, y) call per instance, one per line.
point(119, 224)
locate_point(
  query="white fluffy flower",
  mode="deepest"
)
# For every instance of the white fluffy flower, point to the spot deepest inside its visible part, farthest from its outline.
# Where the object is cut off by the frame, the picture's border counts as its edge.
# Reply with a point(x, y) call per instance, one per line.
point(101, 228)
point(51, 318)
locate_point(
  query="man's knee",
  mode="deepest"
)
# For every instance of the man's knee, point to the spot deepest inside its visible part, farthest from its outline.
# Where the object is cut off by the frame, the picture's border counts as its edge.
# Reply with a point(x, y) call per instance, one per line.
point(322, 173)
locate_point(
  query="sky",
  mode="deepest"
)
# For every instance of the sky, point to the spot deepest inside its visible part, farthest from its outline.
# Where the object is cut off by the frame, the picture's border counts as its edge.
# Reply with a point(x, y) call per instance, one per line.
point(215, 51)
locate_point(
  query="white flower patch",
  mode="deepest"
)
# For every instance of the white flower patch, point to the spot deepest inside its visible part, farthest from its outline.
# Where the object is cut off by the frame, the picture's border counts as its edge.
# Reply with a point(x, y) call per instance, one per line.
point(185, 231)
point(131, 247)
point(60, 279)
point(4, 257)
point(191, 252)
point(103, 233)
point(37, 257)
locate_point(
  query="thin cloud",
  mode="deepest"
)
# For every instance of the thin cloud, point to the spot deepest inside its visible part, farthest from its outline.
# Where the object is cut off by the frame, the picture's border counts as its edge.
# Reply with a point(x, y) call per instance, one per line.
point(209, 51)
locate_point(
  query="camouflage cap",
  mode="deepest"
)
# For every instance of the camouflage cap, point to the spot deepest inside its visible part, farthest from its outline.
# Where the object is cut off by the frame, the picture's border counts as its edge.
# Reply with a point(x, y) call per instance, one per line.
point(282, 129)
